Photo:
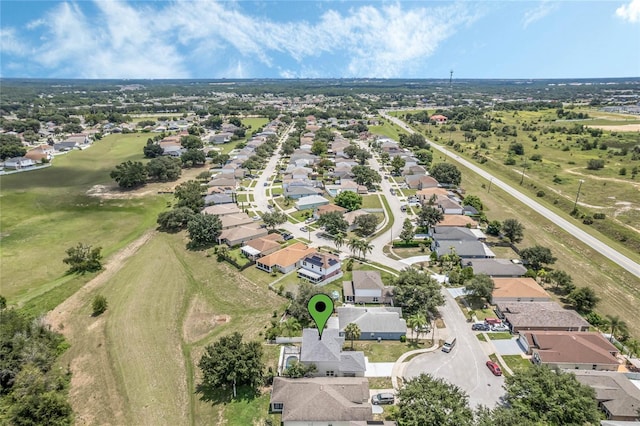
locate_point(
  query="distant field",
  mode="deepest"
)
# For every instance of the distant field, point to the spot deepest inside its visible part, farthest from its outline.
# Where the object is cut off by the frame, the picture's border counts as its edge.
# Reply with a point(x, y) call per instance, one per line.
point(387, 129)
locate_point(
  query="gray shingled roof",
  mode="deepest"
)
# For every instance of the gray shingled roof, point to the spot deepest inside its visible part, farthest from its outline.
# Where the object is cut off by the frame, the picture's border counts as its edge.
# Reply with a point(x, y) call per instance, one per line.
point(497, 267)
point(367, 280)
point(373, 319)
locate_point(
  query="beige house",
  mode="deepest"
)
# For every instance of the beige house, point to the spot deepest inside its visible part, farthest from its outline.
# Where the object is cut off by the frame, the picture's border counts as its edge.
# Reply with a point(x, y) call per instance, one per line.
point(543, 316)
point(570, 350)
point(518, 289)
point(617, 396)
point(285, 260)
point(262, 246)
point(241, 234)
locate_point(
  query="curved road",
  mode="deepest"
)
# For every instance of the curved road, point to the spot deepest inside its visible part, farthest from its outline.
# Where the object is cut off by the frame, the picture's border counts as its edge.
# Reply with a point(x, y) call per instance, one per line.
point(583, 236)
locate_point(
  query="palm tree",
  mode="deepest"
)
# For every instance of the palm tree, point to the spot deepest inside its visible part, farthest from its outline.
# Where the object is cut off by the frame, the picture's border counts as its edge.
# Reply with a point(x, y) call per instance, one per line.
point(416, 322)
point(365, 248)
point(352, 332)
point(354, 246)
point(616, 324)
point(633, 346)
point(338, 240)
point(291, 327)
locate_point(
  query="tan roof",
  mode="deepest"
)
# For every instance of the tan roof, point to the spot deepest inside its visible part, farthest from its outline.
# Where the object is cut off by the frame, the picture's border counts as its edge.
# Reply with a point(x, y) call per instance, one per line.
point(367, 280)
point(571, 347)
point(233, 220)
point(351, 216)
point(266, 243)
point(322, 399)
point(457, 220)
point(541, 315)
point(288, 255)
point(330, 208)
point(428, 192)
point(242, 232)
point(518, 287)
point(222, 209)
point(615, 392)
point(36, 154)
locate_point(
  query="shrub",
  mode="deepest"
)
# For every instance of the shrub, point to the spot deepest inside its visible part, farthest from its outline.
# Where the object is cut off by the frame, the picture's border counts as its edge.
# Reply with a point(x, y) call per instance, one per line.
point(588, 220)
point(540, 193)
point(594, 164)
point(536, 157)
point(99, 305)
point(403, 338)
point(599, 215)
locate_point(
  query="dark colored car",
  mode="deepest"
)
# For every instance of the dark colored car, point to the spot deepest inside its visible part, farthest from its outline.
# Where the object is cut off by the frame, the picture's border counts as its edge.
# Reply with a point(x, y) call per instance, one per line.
point(480, 326)
point(383, 399)
point(495, 368)
point(287, 237)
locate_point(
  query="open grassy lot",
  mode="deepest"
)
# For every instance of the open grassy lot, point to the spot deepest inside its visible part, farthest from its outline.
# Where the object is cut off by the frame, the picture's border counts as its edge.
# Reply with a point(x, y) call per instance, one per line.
point(45, 212)
point(371, 202)
point(387, 129)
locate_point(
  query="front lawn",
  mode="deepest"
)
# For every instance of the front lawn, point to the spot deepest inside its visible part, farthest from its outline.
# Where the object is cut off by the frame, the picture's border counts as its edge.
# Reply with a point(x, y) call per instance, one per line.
point(387, 350)
point(517, 362)
point(371, 202)
point(499, 335)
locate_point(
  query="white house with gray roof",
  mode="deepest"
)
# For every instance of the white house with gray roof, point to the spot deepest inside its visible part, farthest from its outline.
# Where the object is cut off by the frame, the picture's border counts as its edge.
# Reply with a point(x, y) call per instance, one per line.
point(327, 354)
point(383, 323)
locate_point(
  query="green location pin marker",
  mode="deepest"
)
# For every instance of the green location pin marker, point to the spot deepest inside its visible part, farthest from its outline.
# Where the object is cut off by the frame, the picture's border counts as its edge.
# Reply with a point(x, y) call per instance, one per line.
point(320, 308)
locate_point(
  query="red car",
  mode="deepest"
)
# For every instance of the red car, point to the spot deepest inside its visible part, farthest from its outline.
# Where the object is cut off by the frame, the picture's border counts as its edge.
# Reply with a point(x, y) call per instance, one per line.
point(495, 368)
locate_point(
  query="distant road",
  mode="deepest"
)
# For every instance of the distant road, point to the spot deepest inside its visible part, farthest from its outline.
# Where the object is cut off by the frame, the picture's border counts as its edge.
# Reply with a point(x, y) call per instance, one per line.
point(586, 238)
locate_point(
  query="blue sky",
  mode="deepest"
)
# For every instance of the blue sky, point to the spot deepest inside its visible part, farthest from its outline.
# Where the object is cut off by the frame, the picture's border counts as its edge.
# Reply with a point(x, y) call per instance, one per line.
point(320, 39)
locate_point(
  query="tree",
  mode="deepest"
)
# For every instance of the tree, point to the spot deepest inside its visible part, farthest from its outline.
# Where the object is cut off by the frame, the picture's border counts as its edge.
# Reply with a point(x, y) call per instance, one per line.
point(164, 169)
point(319, 147)
point(365, 175)
point(513, 230)
point(291, 327)
point(563, 281)
point(446, 174)
point(130, 174)
point(99, 305)
point(547, 396)
point(152, 149)
point(298, 307)
point(364, 248)
point(349, 200)
point(407, 232)
point(333, 223)
point(191, 142)
point(297, 370)
point(352, 332)
point(83, 258)
point(338, 240)
point(616, 324)
point(494, 227)
point(175, 220)
point(584, 299)
point(11, 146)
point(362, 156)
point(351, 150)
point(429, 216)
point(385, 157)
point(189, 194)
point(193, 157)
point(426, 401)
point(397, 164)
point(354, 246)
point(230, 362)
point(417, 292)
point(204, 230)
point(473, 201)
point(537, 256)
point(481, 286)
point(273, 219)
point(425, 156)
point(417, 322)
point(365, 224)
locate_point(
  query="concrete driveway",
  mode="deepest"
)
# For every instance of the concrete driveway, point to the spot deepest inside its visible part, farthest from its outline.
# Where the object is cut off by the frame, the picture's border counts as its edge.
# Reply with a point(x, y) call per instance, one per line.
point(508, 347)
point(378, 369)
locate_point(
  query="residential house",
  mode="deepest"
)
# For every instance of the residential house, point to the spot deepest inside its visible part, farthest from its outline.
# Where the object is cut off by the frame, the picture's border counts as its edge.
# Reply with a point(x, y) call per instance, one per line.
point(18, 163)
point(218, 198)
point(222, 209)
point(262, 246)
point(420, 181)
point(464, 249)
point(525, 316)
point(438, 119)
point(78, 138)
point(350, 185)
point(241, 234)
point(288, 182)
point(424, 195)
point(234, 220)
point(311, 202)
point(320, 267)
point(328, 208)
point(297, 192)
point(341, 170)
point(364, 287)
point(40, 153)
point(413, 169)
point(228, 182)
point(570, 350)
point(301, 158)
point(64, 146)
point(519, 289)
point(327, 354)
point(443, 233)
point(286, 259)
point(299, 172)
point(448, 205)
point(219, 138)
point(375, 323)
point(496, 267)
point(321, 401)
point(350, 217)
point(617, 396)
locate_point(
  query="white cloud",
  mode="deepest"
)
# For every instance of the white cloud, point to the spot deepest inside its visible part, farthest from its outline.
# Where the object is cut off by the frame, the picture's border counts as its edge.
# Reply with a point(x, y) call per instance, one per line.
point(629, 12)
point(164, 40)
point(10, 43)
point(537, 13)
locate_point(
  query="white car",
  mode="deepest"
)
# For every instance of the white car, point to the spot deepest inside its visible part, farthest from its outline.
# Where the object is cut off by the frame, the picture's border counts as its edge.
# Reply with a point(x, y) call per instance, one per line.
point(500, 327)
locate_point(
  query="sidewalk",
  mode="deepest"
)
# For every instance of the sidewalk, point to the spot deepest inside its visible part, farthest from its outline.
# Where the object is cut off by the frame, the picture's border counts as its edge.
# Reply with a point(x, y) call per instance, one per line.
point(398, 366)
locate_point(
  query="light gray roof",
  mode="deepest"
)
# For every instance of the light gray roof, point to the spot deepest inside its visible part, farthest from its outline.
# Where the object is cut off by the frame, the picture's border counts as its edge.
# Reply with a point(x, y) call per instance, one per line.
point(312, 199)
point(296, 190)
point(373, 319)
point(442, 233)
point(540, 315)
point(614, 391)
point(329, 349)
point(497, 267)
point(323, 399)
point(463, 248)
point(367, 280)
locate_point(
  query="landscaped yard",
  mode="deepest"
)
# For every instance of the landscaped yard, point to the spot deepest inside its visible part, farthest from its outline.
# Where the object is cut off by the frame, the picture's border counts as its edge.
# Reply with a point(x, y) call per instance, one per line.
point(387, 350)
point(499, 335)
point(516, 362)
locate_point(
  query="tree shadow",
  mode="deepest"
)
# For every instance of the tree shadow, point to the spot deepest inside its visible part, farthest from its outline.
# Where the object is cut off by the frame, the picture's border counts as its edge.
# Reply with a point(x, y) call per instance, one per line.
point(225, 396)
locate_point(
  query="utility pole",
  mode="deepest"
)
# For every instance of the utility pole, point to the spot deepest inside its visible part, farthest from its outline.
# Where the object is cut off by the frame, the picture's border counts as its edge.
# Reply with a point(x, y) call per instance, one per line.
point(524, 167)
point(490, 182)
point(575, 205)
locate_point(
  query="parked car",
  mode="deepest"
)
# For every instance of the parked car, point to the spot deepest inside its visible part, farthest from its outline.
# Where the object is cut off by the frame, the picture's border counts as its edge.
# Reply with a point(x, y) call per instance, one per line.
point(383, 399)
point(423, 329)
point(304, 229)
point(480, 326)
point(287, 237)
point(266, 184)
point(500, 327)
point(309, 220)
point(495, 368)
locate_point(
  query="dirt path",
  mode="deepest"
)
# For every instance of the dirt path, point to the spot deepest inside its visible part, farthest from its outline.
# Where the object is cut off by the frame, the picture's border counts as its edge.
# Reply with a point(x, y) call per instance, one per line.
point(60, 315)
point(574, 172)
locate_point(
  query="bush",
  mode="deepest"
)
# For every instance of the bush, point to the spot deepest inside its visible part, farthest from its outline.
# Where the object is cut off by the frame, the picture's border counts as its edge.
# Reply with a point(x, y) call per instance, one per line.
point(599, 215)
point(99, 305)
point(594, 164)
point(403, 339)
point(540, 193)
point(588, 220)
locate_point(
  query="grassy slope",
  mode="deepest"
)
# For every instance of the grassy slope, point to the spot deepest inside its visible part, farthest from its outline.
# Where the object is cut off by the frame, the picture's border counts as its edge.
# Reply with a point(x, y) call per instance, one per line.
point(44, 212)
